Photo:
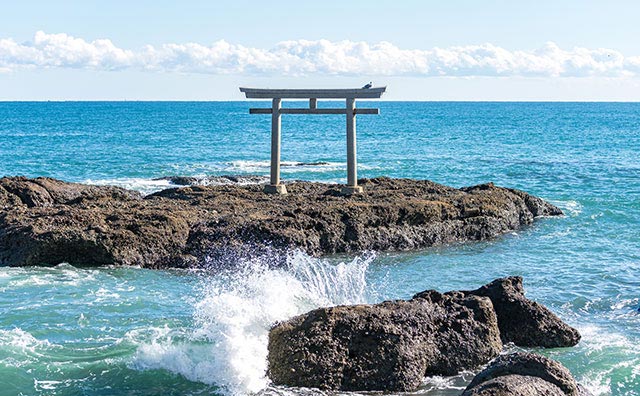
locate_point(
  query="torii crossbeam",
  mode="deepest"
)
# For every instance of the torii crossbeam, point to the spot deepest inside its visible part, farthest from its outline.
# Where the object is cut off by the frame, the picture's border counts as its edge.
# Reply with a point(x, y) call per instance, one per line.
point(276, 110)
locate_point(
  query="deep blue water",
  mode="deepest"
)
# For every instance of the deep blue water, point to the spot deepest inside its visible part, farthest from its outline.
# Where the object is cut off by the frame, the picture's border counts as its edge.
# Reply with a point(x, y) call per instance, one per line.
point(74, 331)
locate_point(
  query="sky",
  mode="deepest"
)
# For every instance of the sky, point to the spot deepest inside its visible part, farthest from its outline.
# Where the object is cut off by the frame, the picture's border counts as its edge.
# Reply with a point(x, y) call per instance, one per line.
point(571, 50)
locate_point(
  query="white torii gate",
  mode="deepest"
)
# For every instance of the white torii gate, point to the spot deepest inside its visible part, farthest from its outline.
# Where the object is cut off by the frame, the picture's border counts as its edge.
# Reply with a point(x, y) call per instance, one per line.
point(276, 110)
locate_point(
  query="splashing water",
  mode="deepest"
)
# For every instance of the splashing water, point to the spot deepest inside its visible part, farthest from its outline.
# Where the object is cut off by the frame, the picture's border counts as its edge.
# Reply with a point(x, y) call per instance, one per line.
point(228, 346)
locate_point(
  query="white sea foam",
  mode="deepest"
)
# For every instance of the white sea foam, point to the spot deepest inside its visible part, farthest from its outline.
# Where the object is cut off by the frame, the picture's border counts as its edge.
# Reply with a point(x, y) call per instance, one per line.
point(43, 385)
point(598, 385)
point(20, 347)
point(243, 172)
point(571, 207)
point(244, 166)
point(596, 339)
point(251, 166)
point(103, 294)
point(287, 166)
point(601, 345)
point(20, 339)
point(62, 274)
point(228, 345)
point(438, 383)
point(145, 186)
point(560, 233)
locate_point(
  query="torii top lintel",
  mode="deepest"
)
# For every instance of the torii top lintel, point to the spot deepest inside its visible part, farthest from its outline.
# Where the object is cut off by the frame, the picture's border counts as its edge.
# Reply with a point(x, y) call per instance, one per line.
point(356, 93)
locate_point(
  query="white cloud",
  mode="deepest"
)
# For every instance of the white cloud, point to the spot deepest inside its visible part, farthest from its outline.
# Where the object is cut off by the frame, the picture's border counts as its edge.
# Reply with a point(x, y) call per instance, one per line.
point(320, 57)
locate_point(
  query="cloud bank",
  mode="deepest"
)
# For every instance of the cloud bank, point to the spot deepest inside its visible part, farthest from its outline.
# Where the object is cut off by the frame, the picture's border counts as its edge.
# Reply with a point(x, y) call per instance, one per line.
point(320, 57)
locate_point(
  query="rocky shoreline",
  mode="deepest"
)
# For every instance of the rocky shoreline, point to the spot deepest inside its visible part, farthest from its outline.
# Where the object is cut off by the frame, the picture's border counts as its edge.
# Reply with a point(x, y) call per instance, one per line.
point(46, 221)
point(393, 345)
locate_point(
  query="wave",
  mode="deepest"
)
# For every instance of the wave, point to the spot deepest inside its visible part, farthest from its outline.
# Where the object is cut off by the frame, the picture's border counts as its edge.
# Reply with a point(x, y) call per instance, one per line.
point(571, 207)
point(149, 186)
point(20, 348)
point(450, 385)
point(228, 345)
point(61, 274)
point(610, 355)
point(240, 172)
point(285, 166)
point(145, 186)
point(292, 166)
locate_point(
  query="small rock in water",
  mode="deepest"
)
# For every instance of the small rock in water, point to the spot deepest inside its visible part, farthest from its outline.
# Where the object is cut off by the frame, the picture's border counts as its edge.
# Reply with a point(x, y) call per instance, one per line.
point(524, 374)
point(319, 163)
point(179, 180)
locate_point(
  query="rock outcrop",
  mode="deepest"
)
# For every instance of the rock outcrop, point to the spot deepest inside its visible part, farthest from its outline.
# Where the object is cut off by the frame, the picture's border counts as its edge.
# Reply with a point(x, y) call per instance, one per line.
point(387, 346)
point(524, 374)
point(524, 322)
point(393, 345)
point(46, 221)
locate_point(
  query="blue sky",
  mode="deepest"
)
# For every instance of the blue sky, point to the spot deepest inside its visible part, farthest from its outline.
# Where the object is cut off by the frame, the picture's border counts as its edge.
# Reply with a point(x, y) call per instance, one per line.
point(203, 50)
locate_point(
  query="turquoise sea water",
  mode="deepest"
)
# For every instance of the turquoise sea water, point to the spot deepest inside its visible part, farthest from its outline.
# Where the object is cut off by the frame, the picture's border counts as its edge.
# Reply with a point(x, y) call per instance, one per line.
point(130, 331)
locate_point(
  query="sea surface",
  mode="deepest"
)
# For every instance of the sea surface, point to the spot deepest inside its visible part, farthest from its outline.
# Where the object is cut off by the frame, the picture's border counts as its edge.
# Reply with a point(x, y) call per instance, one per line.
point(131, 331)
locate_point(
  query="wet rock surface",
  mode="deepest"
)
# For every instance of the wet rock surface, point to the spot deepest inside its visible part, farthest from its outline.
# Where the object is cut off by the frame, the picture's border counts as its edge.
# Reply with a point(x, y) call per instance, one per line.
point(46, 221)
point(524, 374)
point(387, 346)
point(393, 345)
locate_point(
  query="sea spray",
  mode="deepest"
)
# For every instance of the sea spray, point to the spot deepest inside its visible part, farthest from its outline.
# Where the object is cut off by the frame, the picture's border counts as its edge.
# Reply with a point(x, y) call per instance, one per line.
point(19, 348)
point(228, 344)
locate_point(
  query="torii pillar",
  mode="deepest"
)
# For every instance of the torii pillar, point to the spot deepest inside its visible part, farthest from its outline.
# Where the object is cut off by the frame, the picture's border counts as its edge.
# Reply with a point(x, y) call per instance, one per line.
point(276, 110)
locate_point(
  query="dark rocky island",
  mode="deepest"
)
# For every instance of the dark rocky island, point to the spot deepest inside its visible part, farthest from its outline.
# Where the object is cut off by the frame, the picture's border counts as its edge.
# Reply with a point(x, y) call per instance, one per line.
point(45, 221)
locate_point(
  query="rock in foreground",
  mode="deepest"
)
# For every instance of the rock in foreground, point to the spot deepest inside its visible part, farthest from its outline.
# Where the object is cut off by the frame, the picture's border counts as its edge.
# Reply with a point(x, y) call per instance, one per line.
point(524, 374)
point(387, 346)
point(46, 221)
point(392, 346)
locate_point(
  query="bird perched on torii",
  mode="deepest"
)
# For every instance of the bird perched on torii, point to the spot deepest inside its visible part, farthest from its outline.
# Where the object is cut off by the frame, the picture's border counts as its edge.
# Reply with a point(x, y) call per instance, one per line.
point(367, 86)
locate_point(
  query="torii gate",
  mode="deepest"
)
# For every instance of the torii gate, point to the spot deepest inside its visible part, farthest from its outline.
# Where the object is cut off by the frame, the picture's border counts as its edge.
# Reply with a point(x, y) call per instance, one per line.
point(276, 95)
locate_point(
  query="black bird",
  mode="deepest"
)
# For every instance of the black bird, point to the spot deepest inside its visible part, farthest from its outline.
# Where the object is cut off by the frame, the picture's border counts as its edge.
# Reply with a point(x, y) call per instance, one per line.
point(367, 86)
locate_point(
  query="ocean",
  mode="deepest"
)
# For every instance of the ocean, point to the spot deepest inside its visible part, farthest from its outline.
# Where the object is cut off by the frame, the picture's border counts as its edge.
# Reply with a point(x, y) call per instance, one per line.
point(130, 331)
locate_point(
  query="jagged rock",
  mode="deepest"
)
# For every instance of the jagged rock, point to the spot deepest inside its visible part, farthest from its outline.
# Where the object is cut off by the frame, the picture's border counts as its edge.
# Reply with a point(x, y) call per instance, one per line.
point(524, 322)
point(45, 221)
point(524, 374)
point(44, 192)
point(386, 346)
point(180, 180)
point(393, 345)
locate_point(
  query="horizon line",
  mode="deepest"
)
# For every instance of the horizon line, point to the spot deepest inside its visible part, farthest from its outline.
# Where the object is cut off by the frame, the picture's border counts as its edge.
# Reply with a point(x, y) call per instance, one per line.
point(303, 100)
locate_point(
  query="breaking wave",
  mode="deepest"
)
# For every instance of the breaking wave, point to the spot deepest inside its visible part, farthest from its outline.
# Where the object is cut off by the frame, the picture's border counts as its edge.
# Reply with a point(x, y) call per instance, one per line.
point(232, 316)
